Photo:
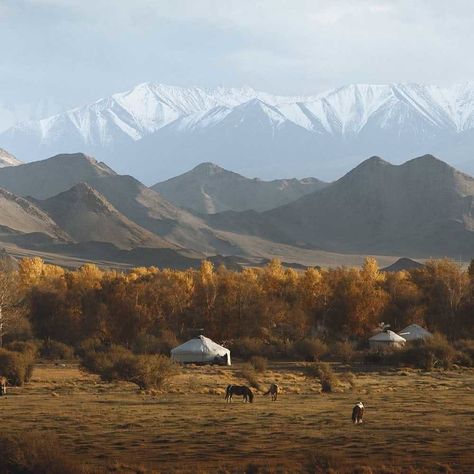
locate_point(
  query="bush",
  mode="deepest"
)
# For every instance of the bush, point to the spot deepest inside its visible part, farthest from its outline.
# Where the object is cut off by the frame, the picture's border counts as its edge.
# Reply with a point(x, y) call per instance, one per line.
point(118, 363)
point(323, 371)
point(16, 366)
point(344, 351)
point(103, 360)
point(310, 349)
point(247, 347)
point(429, 353)
point(32, 453)
point(29, 347)
point(465, 354)
point(150, 344)
point(248, 373)
point(259, 363)
point(20, 331)
point(56, 350)
point(89, 346)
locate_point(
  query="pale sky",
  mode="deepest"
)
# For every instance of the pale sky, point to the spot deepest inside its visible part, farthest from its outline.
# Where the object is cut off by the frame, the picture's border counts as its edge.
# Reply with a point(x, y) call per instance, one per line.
point(70, 52)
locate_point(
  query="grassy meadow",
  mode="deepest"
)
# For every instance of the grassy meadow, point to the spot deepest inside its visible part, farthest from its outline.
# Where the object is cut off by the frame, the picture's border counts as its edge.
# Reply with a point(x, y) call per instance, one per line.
point(415, 421)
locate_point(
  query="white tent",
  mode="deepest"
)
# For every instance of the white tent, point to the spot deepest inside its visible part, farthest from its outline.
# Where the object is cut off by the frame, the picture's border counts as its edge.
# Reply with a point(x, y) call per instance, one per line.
point(386, 339)
point(414, 333)
point(201, 350)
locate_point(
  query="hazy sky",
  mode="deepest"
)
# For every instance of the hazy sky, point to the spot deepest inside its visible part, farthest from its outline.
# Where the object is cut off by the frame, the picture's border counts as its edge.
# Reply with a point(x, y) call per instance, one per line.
point(74, 51)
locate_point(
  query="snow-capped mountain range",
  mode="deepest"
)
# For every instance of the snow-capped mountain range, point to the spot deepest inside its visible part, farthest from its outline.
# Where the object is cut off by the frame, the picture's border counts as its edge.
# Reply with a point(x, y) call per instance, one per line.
point(156, 131)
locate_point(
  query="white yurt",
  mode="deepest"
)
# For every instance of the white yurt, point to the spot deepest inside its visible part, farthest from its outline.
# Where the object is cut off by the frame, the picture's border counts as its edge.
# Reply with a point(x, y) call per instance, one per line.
point(201, 350)
point(386, 339)
point(414, 333)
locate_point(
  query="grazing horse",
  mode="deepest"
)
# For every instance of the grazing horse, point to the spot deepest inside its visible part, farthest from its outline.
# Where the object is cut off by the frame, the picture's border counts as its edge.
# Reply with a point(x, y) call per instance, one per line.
point(358, 413)
point(238, 390)
point(3, 386)
point(273, 391)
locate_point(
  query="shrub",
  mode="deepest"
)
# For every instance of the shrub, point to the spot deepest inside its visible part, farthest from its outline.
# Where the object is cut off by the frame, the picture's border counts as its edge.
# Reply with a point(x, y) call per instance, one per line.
point(150, 344)
point(20, 331)
point(465, 354)
point(89, 346)
point(383, 356)
point(323, 371)
point(247, 347)
point(31, 453)
point(30, 347)
point(103, 360)
point(56, 350)
point(16, 366)
point(429, 353)
point(259, 363)
point(118, 363)
point(344, 351)
point(248, 373)
point(310, 349)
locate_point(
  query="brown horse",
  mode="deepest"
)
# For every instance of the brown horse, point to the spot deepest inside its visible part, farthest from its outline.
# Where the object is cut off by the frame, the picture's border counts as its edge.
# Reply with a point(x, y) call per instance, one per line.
point(3, 386)
point(358, 413)
point(238, 390)
point(273, 391)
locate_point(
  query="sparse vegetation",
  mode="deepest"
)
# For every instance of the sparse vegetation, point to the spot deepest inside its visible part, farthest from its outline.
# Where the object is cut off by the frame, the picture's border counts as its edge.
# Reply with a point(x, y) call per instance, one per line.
point(35, 453)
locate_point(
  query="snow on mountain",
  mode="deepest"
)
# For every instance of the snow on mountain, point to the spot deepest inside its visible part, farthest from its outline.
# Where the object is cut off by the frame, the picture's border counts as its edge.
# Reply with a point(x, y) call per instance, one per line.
point(7, 159)
point(335, 129)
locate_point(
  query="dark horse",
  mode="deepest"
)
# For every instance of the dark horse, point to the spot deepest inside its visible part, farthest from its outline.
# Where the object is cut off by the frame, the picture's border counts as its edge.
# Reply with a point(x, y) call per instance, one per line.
point(238, 390)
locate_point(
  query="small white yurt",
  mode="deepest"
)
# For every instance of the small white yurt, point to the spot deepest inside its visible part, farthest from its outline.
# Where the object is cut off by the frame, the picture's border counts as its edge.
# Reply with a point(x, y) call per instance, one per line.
point(414, 333)
point(201, 350)
point(386, 339)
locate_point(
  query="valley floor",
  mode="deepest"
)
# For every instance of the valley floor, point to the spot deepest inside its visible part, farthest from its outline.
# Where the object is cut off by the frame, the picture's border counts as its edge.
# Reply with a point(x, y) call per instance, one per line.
point(413, 419)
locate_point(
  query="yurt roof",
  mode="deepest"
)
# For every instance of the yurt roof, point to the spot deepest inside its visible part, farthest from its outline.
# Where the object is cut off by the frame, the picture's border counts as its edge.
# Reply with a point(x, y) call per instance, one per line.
point(416, 330)
point(201, 344)
point(387, 336)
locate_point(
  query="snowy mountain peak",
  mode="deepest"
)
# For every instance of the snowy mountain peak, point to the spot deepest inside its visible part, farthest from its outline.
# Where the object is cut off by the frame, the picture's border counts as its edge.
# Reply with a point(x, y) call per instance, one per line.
point(153, 122)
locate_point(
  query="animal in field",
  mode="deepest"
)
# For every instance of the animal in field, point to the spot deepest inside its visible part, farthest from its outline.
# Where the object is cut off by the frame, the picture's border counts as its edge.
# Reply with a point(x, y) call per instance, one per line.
point(3, 386)
point(358, 413)
point(238, 390)
point(273, 391)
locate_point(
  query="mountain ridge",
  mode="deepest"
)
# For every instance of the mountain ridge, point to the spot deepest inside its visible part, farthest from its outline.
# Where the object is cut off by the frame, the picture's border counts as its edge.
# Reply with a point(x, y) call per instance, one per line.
point(208, 188)
point(86, 215)
point(160, 125)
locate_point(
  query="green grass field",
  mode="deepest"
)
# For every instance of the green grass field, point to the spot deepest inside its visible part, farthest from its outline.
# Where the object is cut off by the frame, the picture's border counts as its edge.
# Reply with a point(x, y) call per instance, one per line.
point(413, 419)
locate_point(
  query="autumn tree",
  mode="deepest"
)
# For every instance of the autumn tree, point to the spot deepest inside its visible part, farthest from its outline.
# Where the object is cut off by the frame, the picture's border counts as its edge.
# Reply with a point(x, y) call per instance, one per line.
point(405, 305)
point(11, 310)
point(445, 288)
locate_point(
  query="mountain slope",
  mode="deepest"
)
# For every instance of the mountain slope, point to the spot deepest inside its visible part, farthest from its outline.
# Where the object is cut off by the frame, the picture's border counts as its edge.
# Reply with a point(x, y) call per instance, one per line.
point(208, 189)
point(423, 207)
point(43, 179)
point(143, 206)
point(168, 130)
point(18, 215)
point(87, 216)
point(7, 159)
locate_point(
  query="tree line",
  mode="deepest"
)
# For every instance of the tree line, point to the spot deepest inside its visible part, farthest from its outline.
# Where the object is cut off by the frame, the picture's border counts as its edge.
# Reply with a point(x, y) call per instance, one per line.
point(272, 303)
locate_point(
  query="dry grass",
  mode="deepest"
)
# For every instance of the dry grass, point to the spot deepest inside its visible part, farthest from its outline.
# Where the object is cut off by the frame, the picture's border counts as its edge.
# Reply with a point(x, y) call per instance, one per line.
point(413, 419)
